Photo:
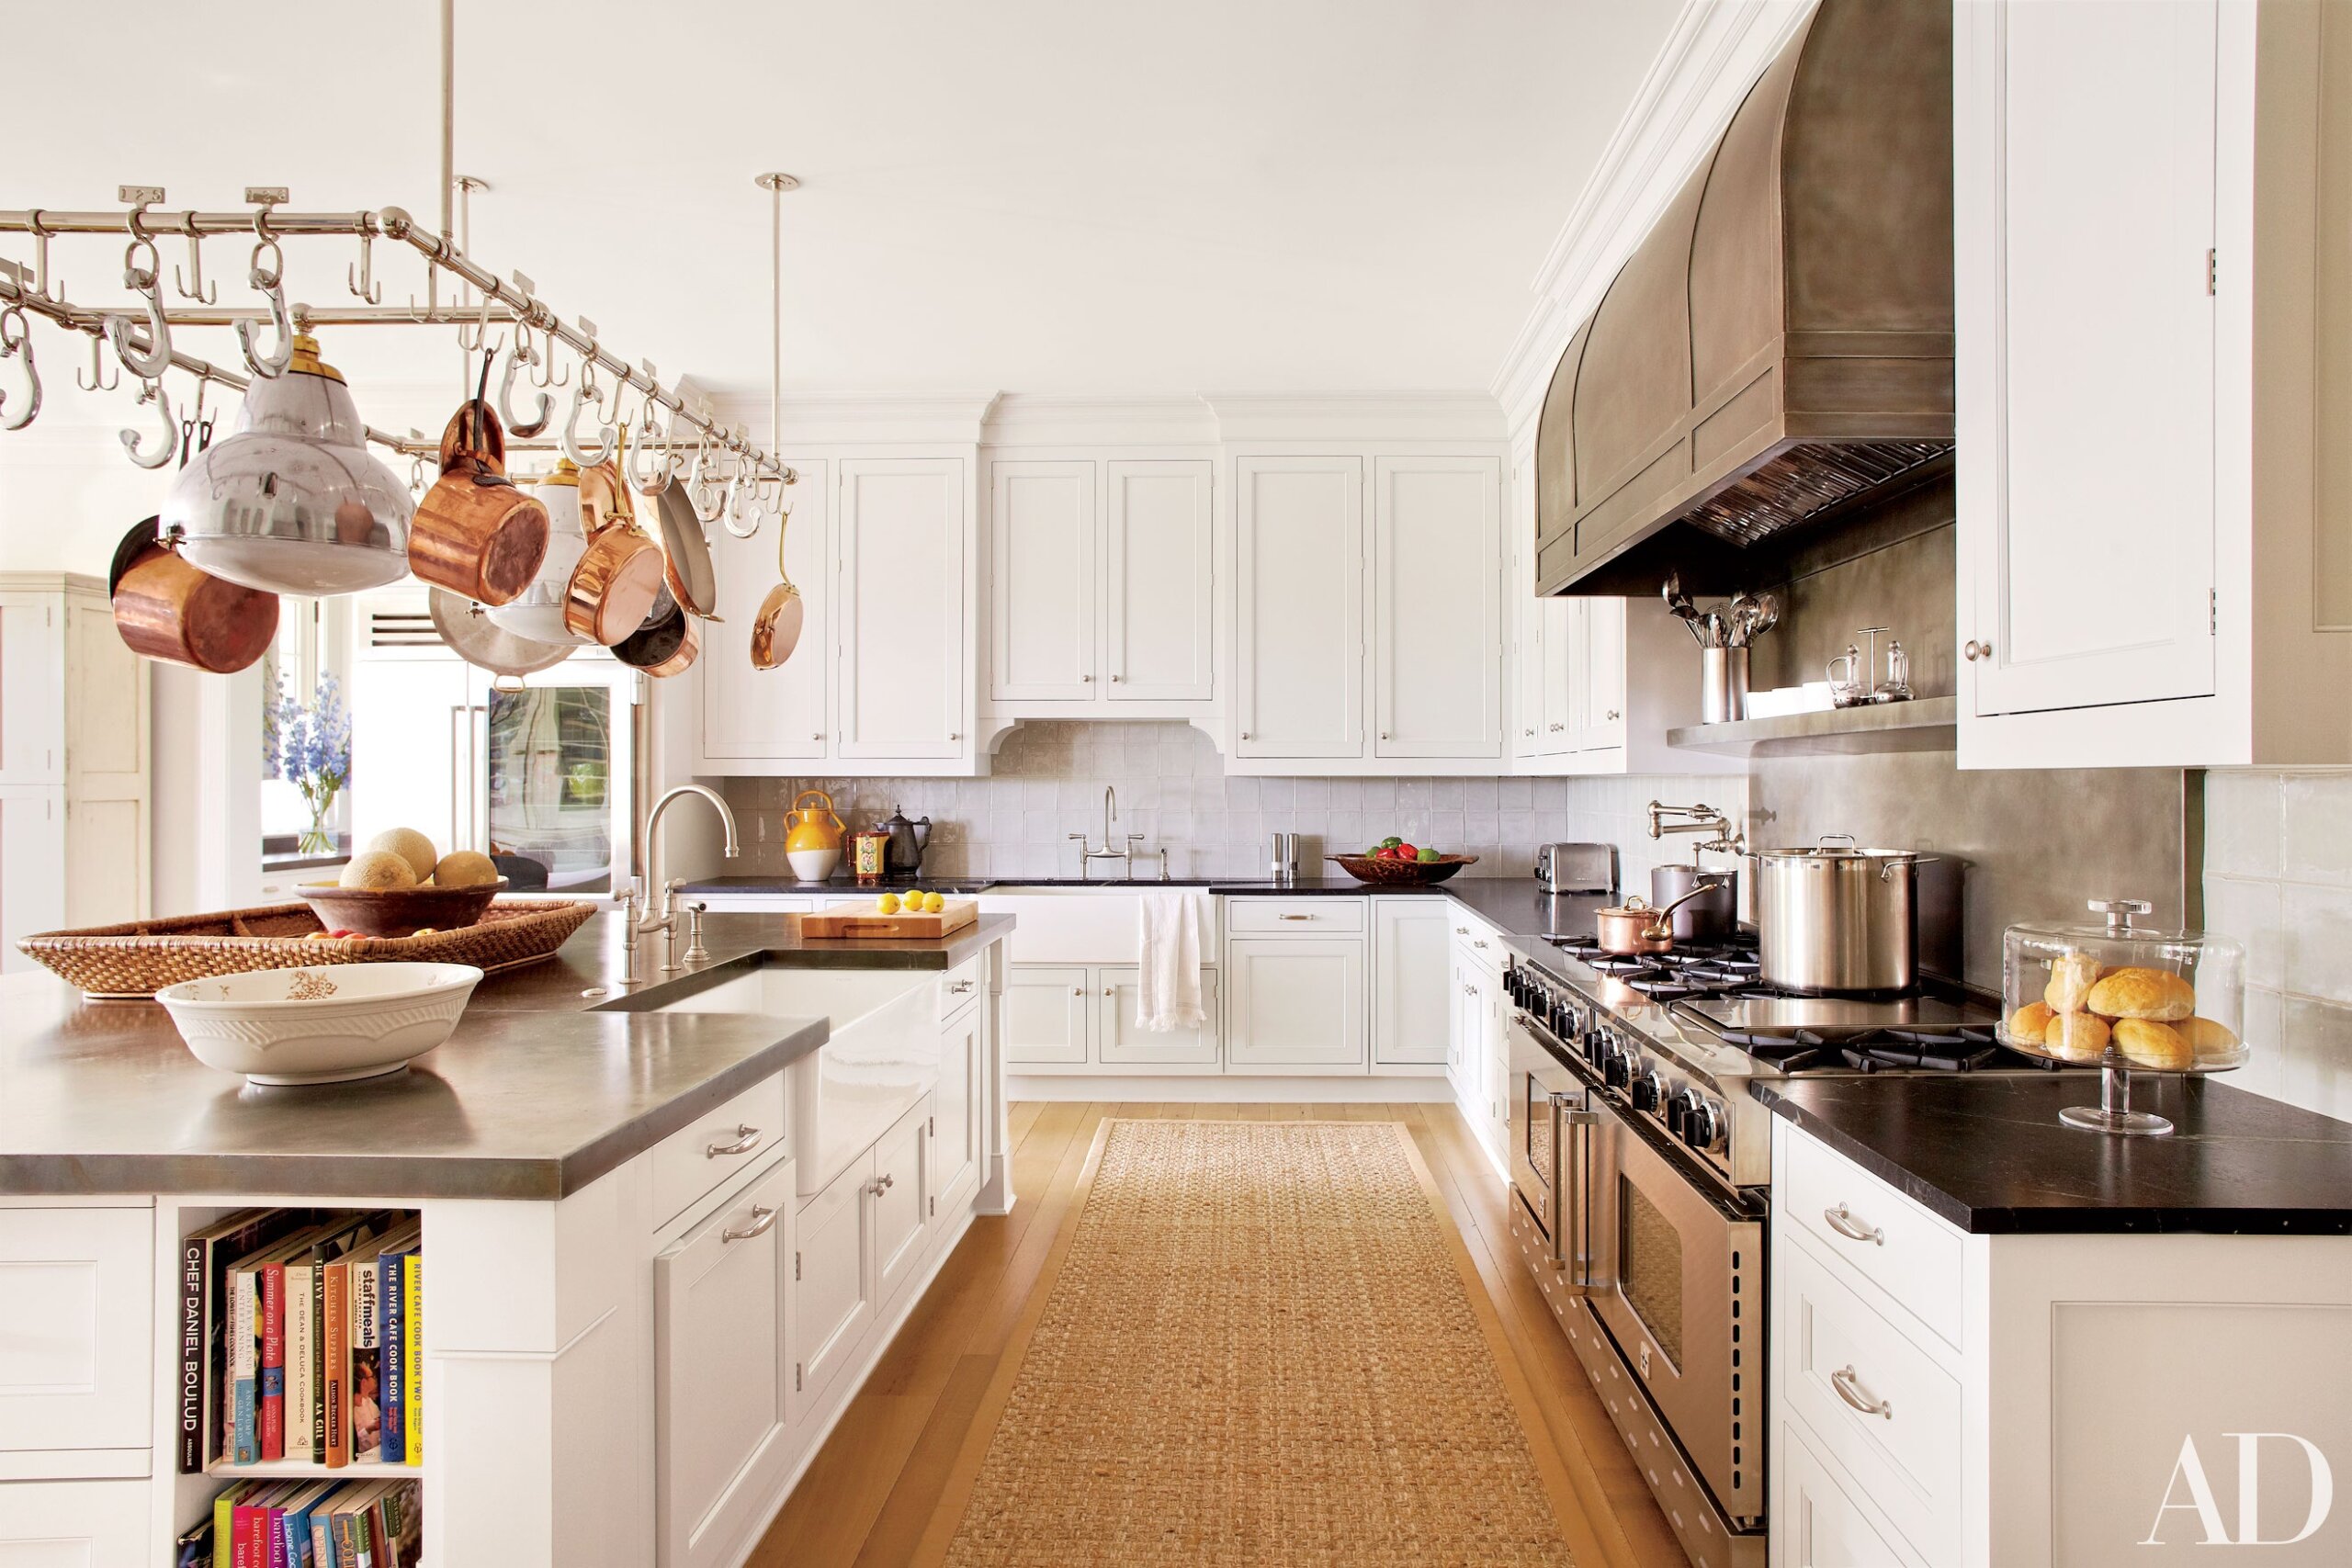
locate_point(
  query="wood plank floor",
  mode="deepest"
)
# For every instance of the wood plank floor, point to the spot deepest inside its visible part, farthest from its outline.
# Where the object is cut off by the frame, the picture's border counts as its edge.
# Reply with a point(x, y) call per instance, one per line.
point(873, 1487)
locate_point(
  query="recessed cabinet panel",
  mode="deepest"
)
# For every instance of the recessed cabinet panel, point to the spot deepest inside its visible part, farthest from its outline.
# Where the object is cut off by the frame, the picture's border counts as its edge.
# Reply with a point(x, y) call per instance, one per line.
point(1159, 620)
point(2090, 506)
point(1297, 1001)
point(901, 569)
point(1437, 620)
point(832, 1308)
point(752, 713)
point(77, 1328)
point(1599, 705)
point(956, 1102)
point(1127, 1043)
point(1299, 608)
point(1046, 1009)
point(1043, 578)
point(901, 1196)
point(1412, 952)
point(32, 724)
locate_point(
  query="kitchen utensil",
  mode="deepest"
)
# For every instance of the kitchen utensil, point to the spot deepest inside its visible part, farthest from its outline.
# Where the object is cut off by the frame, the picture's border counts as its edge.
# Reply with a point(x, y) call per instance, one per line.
point(775, 630)
point(908, 842)
point(1833, 919)
point(1576, 868)
point(1632, 928)
point(812, 836)
point(614, 586)
point(1722, 684)
point(399, 911)
point(484, 643)
point(685, 553)
point(666, 644)
point(292, 501)
point(538, 613)
point(1713, 915)
point(1283, 857)
point(1399, 873)
point(166, 608)
point(861, 918)
point(2127, 998)
point(1846, 677)
point(1896, 687)
point(328, 1025)
point(869, 857)
point(475, 533)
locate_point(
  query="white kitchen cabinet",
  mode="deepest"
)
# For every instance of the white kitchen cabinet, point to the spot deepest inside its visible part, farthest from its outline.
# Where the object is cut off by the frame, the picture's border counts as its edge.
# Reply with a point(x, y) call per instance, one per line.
point(1412, 944)
point(750, 716)
point(1294, 1002)
point(2154, 539)
point(901, 1196)
point(75, 1524)
point(956, 1102)
point(1121, 1041)
point(1437, 634)
point(903, 677)
point(77, 1328)
point(1046, 1012)
point(1299, 608)
point(1597, 688)
point(1159, 573)
point(723, 1396)
point(832, 1300)
point(1042, 582)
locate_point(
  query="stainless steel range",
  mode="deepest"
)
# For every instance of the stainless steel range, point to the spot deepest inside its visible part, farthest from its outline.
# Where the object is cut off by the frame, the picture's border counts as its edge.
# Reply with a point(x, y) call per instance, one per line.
point(1642, 1170)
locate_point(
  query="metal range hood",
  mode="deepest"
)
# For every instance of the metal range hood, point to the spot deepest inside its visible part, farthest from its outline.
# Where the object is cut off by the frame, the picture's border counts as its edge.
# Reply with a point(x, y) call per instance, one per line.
point(1777, 354)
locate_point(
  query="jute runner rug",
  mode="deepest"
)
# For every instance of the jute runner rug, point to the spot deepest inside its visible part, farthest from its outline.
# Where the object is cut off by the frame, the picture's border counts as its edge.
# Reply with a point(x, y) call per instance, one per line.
point(1256, 1343)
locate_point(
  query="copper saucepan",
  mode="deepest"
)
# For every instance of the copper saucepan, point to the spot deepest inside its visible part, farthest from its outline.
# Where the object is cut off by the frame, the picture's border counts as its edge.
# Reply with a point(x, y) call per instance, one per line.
point(476, 532)
point(666, 645)
point(167, 608)
point(1633, 929)
point(613, 588)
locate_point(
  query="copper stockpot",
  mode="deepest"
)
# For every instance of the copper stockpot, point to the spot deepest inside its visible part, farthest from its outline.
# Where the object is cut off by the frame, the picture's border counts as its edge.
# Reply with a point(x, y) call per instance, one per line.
point(167, 609)
point(476, 532)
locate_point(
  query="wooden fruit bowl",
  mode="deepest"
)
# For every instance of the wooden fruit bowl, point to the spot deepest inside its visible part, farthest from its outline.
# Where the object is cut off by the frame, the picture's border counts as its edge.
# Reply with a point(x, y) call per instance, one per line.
point(399, 911)
point(1402, 873)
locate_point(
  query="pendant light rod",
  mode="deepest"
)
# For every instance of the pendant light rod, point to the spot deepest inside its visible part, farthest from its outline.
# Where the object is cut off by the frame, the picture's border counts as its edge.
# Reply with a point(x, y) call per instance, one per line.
point(448, 117)
point(775, 185)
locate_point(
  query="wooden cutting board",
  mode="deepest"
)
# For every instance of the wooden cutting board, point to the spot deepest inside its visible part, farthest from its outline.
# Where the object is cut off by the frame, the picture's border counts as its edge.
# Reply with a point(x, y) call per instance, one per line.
point(862, 920)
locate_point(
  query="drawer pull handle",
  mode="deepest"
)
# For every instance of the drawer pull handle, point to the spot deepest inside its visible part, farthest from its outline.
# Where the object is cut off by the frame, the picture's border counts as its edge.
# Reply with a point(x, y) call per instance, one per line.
point(1476, 942)
point(1842, 1221)
point(1849, 1388)
point(1462, 931)
point(960, 987)
point(762, 1221)
point(881, 1184)
point(1294, 917)
point(746, 1140)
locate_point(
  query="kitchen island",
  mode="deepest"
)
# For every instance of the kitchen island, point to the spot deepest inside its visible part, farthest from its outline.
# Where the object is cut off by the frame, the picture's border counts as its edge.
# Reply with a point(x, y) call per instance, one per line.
point(667, 1229)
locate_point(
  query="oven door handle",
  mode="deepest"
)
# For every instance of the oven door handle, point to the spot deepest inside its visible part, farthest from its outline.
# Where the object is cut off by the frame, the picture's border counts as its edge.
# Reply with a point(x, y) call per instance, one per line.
point(1572, 1123)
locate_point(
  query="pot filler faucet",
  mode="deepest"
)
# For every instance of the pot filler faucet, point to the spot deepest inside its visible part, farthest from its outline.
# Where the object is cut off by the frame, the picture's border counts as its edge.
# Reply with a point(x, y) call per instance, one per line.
point(666, 923)
point(1088, 854)
point(1701, 818)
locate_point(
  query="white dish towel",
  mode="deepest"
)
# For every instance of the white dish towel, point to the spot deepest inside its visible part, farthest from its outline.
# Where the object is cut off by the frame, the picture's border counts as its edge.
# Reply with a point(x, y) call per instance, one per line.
point(1169, 997)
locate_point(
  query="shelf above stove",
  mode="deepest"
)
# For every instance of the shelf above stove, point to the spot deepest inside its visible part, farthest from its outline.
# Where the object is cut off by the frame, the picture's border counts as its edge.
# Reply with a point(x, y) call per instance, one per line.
point(1925, 724)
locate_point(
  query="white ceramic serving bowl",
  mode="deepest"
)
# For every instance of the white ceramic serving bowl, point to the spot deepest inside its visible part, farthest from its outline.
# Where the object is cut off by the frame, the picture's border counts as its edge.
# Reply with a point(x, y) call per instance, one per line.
point(323, 1024)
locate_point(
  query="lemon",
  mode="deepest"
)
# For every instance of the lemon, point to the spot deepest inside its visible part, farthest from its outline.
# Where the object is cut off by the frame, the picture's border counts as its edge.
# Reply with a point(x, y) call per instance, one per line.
point(888, 903)
point(933, 903)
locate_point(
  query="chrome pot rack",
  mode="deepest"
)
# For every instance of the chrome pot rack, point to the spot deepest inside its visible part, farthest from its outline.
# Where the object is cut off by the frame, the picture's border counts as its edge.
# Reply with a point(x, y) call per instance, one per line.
point(730, 477)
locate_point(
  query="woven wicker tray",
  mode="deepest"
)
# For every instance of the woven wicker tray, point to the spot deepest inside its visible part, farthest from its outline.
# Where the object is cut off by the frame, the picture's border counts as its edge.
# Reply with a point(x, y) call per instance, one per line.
point(143, 956)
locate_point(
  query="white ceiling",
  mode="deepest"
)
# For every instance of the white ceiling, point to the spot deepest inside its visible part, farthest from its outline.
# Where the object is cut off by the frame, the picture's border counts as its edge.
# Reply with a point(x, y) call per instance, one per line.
point(1040, 196)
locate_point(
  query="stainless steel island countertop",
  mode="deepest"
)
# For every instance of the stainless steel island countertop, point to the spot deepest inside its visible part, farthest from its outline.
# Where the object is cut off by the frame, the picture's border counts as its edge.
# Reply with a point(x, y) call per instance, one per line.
point(540, 1090)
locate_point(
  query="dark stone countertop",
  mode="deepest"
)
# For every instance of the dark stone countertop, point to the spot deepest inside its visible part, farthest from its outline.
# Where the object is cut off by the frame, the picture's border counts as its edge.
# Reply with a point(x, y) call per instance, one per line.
point(539, 1091)
point(1988, 1153)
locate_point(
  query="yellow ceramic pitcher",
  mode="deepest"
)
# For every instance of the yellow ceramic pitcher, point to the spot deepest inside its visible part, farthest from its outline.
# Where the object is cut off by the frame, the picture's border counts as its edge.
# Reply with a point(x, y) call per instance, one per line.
point(812, 836)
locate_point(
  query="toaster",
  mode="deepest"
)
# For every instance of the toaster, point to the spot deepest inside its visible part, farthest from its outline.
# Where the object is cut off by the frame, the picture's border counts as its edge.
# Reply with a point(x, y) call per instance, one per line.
point(1577, 868)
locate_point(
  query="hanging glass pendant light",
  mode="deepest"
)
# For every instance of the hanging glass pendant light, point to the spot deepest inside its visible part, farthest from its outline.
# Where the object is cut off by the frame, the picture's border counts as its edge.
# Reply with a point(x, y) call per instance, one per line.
point(293, 502)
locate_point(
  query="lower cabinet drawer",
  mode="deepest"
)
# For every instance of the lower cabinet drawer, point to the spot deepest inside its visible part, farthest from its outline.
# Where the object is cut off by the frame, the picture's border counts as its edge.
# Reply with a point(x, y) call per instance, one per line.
point(722, 1394)
point(77, 1291)
point(960, 987)
point(86, 1523)
point(1294, 917)
point(1815, 1524)
point(1880, 1403)
point(698, 1158)
point(1874, 1231)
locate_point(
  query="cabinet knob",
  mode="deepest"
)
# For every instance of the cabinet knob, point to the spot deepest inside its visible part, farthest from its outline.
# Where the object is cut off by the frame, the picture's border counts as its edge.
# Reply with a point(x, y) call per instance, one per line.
point(1087, 679)
point(1115, 680)
point(953, 736)
point(1078, 990)
point(1245, 735)
point(1555, 728)
point(1614, 715)
point(1973, 651)
point(819, 736)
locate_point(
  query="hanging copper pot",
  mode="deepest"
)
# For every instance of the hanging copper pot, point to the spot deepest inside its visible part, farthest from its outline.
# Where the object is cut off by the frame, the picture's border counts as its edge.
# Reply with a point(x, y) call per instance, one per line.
point(685, 554)
point(613, 587)
point(167, 609)
point(775, 630)
point(666, 645)
point(476, 532)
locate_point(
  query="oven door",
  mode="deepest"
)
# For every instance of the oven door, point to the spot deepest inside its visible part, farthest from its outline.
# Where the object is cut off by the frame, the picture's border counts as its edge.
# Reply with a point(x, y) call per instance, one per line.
point(1675, 1274)
point(1547, 1114)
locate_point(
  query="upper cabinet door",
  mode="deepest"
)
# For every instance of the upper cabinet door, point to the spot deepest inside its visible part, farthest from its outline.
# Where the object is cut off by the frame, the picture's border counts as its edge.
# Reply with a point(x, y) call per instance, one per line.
point(1600, 702)
point(1437, 616)
point(1299, 610)
point(1041, 581)
point(1561, 719)
point(902, 682)
point(1158, 621)
point(2086, 227)
point(749, 713)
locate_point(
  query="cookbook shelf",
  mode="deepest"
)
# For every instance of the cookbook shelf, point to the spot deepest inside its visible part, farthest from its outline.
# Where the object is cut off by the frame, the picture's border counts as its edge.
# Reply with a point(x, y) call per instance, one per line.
point(1924, 724)
point(282, 1469)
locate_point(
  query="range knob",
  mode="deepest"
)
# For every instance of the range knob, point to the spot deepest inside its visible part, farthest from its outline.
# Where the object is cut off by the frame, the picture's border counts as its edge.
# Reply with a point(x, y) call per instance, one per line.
point(1618, 1070)
point(1703, 1124)
point(1599, 1044)
point(1649, 1089)
point(1679, 1106)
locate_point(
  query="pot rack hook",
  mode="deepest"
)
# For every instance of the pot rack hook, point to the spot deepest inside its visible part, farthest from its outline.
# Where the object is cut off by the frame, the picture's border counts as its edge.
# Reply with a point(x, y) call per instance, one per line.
point(474, 338)
point(98, 381)
point(40, 232)
point(545, 359)
point(196, 429)
point(193, 286)
point(582, 395)
point(270, 280)
point(162, 453)
point(520, 359)
point(741, 517)
point(16, 342)
point(145, 350)
point(651, 443)
point(361, 279)
point(703, 488)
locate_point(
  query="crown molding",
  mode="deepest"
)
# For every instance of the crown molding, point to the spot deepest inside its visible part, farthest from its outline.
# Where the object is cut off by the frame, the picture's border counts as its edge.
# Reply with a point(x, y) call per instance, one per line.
point(1711, 56)
point(1040, 419)
point(1356, 416)
point(854, 418)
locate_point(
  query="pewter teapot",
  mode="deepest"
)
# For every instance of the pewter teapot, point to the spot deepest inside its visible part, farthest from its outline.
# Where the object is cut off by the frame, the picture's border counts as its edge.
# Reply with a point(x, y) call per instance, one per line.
point(908, 842)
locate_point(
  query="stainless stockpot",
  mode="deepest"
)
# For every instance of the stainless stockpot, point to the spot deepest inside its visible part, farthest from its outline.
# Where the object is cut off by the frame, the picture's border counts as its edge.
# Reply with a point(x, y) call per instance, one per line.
point(1834, 919)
